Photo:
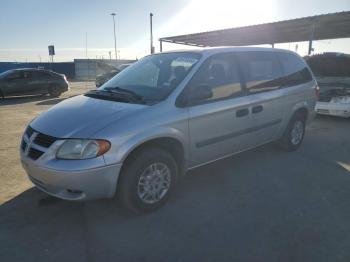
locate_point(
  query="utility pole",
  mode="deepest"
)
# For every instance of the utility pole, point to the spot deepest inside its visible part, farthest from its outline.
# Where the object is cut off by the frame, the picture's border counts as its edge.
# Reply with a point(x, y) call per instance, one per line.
point(115, 37)
point(86, 54)
point(311, 38)
point(110, 55)
point(151, 28)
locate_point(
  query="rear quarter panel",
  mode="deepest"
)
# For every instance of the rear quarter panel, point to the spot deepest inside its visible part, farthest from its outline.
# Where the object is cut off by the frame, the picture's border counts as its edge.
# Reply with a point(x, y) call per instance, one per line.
point(298, 97)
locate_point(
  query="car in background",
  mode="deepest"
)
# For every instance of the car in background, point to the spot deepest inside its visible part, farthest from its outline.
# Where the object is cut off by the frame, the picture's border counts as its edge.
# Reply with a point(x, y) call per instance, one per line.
point(103, 78)
point(123, 66)
point(32, 81)
point(334, 98)
point(332, 71)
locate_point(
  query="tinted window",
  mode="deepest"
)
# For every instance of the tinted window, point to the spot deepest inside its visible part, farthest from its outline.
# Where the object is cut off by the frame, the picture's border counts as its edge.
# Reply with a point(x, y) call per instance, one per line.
point(27, 74)
point(218, 73)
point(14, 75)
point(294, 69)
point(261, 71)
point(38, 74)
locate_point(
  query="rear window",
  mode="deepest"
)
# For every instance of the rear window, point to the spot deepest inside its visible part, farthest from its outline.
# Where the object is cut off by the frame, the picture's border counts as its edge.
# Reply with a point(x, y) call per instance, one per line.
point(294, 69)
point(260, 70)
point(39, 74)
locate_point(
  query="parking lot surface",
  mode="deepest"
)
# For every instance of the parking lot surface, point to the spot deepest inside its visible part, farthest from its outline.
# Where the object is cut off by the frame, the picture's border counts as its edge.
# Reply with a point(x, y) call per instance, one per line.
point(261, 205)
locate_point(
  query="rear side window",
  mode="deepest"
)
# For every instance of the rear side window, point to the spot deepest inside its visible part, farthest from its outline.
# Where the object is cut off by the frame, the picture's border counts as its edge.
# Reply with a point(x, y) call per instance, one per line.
point(27, 74)
point(261, 70)
point(39, 74)
point(294, 69)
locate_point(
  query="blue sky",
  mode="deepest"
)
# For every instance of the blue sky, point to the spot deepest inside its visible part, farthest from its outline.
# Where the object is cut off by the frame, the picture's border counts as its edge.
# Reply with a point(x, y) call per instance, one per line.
point(28, 27)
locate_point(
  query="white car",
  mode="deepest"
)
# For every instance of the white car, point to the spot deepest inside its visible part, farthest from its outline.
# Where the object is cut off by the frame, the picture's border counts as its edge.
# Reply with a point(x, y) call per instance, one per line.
point(334, 99)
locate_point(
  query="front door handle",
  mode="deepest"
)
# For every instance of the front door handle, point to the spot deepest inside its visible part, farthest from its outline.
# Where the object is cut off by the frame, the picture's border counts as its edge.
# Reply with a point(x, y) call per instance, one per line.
point(257, 109)
point(242, 112)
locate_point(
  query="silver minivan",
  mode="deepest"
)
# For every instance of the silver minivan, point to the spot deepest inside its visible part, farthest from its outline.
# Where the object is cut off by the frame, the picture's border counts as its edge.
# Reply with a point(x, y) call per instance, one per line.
point(139, 133)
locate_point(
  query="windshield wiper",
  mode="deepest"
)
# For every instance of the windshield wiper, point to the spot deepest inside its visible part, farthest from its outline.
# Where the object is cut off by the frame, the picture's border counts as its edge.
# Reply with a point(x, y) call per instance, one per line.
point(116, 95)
point(119, 90)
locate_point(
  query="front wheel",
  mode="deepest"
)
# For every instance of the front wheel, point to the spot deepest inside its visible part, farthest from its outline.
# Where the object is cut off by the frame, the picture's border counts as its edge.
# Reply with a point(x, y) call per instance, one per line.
point(294, 134)
point(147, 180)
point(55, 91)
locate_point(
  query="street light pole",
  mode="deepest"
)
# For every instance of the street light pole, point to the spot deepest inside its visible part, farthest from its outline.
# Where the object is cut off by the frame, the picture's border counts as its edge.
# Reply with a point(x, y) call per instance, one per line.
point(115, 38)
point(151, 27)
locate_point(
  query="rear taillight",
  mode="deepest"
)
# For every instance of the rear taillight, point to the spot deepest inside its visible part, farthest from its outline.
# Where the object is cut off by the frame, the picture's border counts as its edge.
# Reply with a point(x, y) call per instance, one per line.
point(317, 91)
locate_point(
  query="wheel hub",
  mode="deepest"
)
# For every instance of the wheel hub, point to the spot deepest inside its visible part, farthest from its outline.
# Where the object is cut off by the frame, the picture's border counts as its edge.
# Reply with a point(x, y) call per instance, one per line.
point(154, 183)
point(297, 132)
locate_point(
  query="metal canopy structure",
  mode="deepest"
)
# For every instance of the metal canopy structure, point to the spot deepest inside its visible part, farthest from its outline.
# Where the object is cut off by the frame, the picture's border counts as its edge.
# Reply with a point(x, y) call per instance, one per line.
point(320, 27)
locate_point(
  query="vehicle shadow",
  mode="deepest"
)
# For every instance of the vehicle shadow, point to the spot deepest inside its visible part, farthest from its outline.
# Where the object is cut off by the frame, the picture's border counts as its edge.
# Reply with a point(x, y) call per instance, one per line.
point(14, 100)
point(40, 99)
point(261, 205)
point(52, 101)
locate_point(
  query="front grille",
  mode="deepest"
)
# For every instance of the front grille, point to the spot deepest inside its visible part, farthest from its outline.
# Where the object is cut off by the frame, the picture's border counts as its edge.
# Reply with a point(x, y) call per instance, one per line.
point(44, 140)
point(29, 131)
point(40, 140)
point(23, 145)
point(35, 153)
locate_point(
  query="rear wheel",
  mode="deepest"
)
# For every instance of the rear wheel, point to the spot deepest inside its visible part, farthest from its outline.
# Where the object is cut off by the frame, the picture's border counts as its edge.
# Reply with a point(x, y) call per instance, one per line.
point(294, 134)
point(147, 180)
point(55, 91)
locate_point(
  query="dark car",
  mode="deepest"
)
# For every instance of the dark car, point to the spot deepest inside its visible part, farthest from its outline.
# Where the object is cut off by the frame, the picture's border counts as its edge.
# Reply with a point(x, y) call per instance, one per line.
point(101, 79)
point(32, 81)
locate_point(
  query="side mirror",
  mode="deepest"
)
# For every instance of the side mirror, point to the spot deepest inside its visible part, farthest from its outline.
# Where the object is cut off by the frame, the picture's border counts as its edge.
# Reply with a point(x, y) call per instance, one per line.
point(199, 93)
point(194, 95)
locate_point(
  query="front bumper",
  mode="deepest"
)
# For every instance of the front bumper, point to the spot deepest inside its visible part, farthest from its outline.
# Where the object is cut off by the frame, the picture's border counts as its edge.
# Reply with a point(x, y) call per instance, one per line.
point(333, 109)
point(65, 87)
point(74, 185)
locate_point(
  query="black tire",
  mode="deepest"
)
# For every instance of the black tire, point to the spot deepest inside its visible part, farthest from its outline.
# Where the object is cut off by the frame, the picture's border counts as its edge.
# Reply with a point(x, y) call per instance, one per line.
point(289, 142)
point(128, 190)
point(55, 91)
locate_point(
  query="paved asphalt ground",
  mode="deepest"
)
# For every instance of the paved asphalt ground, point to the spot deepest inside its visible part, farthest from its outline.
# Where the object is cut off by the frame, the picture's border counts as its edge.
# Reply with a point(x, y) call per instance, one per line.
point(261, 205)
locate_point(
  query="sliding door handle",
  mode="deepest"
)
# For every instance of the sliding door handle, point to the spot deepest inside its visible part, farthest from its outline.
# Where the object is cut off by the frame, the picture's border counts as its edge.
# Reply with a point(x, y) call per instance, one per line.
point(257, 109)
point(242, 112)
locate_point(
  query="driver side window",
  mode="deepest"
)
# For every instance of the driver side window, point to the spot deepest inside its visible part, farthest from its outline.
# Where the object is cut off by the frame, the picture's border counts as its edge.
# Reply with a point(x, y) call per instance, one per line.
point(14, 75)
point(219, 76)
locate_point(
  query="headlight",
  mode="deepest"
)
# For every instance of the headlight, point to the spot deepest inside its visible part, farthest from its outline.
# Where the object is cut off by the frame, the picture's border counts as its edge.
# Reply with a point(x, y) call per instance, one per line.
point(82, 149)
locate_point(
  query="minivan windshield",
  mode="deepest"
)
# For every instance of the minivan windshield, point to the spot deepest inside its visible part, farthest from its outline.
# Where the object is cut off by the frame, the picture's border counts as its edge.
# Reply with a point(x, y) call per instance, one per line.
point(154, 77)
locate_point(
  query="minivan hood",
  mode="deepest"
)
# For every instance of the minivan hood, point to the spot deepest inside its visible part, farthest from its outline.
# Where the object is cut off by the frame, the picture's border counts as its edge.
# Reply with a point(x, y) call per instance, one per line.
point(81, 116)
